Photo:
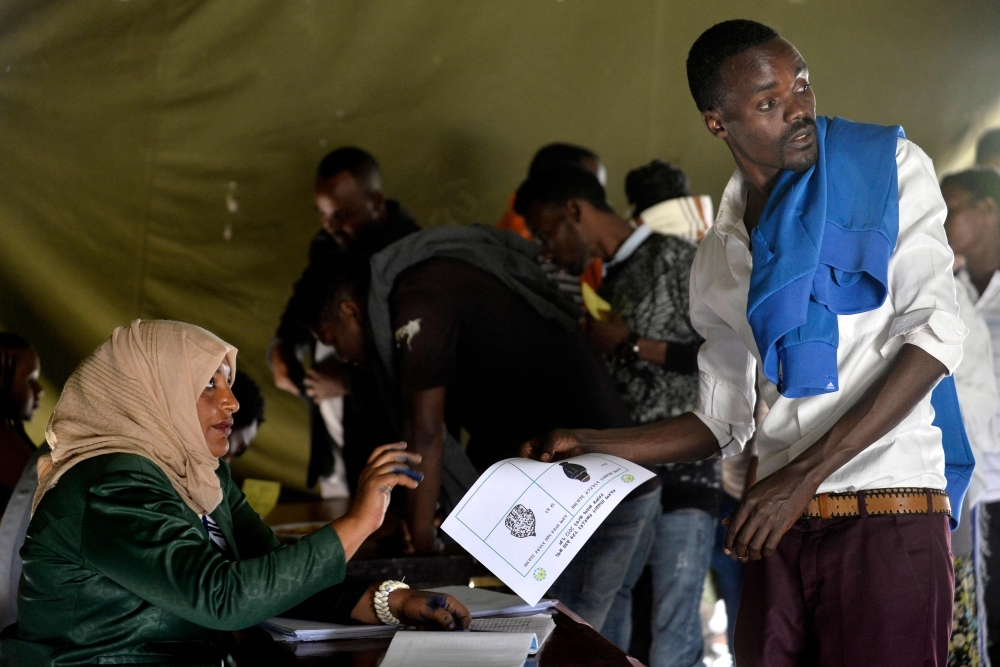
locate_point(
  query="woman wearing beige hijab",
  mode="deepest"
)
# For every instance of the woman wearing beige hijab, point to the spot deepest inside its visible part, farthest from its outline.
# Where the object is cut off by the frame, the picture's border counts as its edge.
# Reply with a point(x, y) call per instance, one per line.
point(142, 550)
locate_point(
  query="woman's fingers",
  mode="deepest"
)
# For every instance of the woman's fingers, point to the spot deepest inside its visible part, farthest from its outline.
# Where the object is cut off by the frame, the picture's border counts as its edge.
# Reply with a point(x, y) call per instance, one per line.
point(407, 458)
point(393, 446)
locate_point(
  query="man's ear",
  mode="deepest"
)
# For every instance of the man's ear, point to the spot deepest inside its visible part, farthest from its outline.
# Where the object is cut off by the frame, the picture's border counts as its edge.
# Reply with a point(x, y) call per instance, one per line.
point(988, 207)
point(713, 121)
point(574, 210)
point(376, 199)
point(352, 309)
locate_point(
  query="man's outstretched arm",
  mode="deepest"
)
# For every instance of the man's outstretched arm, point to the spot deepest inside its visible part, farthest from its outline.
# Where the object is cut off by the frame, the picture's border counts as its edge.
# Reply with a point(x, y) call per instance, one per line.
point(681, 439)
point(424, 432)
point(772, 505)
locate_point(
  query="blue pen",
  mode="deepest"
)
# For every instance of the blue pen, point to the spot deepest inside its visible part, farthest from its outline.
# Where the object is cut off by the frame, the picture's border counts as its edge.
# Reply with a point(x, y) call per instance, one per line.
point(412, 474)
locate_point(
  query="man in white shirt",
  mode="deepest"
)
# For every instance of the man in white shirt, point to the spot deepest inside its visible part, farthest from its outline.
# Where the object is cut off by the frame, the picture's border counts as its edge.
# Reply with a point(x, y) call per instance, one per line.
point(973, 228)
point(846, 532)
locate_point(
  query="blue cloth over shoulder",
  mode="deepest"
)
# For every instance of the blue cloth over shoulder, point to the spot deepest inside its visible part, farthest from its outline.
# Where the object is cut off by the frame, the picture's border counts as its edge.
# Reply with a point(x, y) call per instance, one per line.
point(822, 249)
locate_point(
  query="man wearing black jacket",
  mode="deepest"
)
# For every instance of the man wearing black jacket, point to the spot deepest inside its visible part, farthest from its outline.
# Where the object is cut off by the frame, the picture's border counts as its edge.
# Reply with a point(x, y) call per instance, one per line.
point(356, 217)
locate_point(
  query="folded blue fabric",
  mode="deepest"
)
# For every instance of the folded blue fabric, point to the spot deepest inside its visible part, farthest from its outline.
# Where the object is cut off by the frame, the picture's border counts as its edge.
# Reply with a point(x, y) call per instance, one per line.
point(822, 248)
point(959, 461)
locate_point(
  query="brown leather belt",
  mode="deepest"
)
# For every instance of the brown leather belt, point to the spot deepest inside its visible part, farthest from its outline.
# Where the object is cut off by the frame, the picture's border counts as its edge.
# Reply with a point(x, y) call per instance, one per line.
point(879, 501)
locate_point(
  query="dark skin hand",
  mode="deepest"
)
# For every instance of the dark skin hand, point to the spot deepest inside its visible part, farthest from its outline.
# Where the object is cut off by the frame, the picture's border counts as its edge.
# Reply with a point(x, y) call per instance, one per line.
point(776, 502)
point(424, 610)
point(605, 335)
point(424, 429)
point(773, 504)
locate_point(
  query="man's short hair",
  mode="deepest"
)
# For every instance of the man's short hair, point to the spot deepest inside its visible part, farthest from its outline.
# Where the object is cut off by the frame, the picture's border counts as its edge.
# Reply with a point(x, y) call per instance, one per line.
point(721, 41)
point(980, 182)
point(653, 183)
point(360, 164)
point(988, 146)
point(251, 401)
point(557, 185)
point(324, 285)
point(557, 153)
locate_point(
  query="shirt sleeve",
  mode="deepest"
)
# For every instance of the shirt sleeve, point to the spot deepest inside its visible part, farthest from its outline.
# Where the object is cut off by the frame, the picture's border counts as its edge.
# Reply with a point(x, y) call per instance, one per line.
point(426, 328)
point(921, 282)
point(727, 371)
point(139, 533)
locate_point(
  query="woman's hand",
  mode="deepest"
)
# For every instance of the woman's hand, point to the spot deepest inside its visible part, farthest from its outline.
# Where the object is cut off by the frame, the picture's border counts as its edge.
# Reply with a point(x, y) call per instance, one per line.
point(421, 609)
point(425, 609)
point(387, 467)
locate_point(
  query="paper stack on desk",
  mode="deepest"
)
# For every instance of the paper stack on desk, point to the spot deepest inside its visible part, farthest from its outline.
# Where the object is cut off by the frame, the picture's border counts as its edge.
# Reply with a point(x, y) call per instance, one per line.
point(540, 626)
point(294, 630)
point(482, 602)
point(479, 601)
point(458, 649)
point(525, 520)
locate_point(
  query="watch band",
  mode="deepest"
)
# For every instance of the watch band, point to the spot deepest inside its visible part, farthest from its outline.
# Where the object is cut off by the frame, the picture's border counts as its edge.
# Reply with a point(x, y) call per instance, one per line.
point(628, 349)
point(382, 601)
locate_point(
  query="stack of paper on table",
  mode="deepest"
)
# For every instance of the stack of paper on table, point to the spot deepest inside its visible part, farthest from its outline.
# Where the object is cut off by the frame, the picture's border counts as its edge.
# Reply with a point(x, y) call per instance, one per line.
point(540, 626)
point(482, 602)
point(458, 649)
point(294, 630)
point(479, 601)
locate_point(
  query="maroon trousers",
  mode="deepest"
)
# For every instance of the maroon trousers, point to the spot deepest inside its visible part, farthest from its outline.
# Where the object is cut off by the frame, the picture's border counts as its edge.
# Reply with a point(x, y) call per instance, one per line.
point(850, 592)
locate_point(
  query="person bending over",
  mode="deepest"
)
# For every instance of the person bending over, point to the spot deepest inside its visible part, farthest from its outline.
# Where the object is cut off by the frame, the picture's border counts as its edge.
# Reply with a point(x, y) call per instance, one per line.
point(651, 350)
point(828, 270)
point(468, 334)
point(142, 550)
point(355, 216)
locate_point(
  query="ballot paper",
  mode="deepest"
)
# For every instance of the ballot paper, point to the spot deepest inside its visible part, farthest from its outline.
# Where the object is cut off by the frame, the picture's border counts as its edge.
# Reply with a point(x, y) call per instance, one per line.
point(482, 602)
point(458, 649)
point(540, 626)
point(525, 520)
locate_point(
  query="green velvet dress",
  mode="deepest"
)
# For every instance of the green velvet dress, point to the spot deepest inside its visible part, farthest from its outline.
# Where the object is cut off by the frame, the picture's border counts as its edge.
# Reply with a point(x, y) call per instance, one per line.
point(118, 570)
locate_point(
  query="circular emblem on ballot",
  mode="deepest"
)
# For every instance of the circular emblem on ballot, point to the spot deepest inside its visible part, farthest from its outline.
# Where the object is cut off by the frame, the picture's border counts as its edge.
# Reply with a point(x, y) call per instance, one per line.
point(627, 478)
point(539, 573)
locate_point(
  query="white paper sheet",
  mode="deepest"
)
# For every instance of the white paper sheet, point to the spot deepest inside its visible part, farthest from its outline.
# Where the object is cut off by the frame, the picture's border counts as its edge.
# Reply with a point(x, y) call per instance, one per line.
point(458, 649)
point(525, 520)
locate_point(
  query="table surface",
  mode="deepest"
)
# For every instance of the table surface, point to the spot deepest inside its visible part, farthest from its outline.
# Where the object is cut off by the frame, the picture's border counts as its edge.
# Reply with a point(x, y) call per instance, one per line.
point(572, 643)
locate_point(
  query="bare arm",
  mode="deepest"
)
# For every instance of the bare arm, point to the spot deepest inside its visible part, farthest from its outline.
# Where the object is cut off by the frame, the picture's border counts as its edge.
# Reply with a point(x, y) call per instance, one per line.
point(772, 505)
point(424, 429)
point(684, 438)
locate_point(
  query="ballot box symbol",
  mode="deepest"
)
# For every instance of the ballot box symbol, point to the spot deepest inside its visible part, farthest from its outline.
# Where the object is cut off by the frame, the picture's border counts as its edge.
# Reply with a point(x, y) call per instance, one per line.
point(520, 521)
point(575, 471)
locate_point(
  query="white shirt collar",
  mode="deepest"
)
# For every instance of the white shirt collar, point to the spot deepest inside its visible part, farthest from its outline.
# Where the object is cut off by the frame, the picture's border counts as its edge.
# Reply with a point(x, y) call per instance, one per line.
point(990, 294)
point(629, 246)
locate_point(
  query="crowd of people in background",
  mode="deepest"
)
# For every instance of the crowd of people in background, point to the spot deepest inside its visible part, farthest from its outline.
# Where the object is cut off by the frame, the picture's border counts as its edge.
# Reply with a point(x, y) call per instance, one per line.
point(468, 341)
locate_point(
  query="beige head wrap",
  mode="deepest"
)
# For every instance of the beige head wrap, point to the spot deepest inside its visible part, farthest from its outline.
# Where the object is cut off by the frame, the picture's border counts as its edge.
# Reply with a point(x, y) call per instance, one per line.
point(137, 394)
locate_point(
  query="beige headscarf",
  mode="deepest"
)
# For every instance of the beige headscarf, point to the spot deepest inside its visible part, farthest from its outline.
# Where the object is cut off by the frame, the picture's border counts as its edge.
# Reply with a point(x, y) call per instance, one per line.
point(137, 394)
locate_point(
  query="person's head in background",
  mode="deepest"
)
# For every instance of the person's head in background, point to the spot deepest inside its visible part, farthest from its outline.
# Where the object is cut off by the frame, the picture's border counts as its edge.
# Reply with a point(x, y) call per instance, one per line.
point(988, 149)
point(349, 196)
point(248, 418)
point(333, 297)
point(973, 222)
point(20, 389)
point(566, 208)
point(656, 182)
point(558, 153)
